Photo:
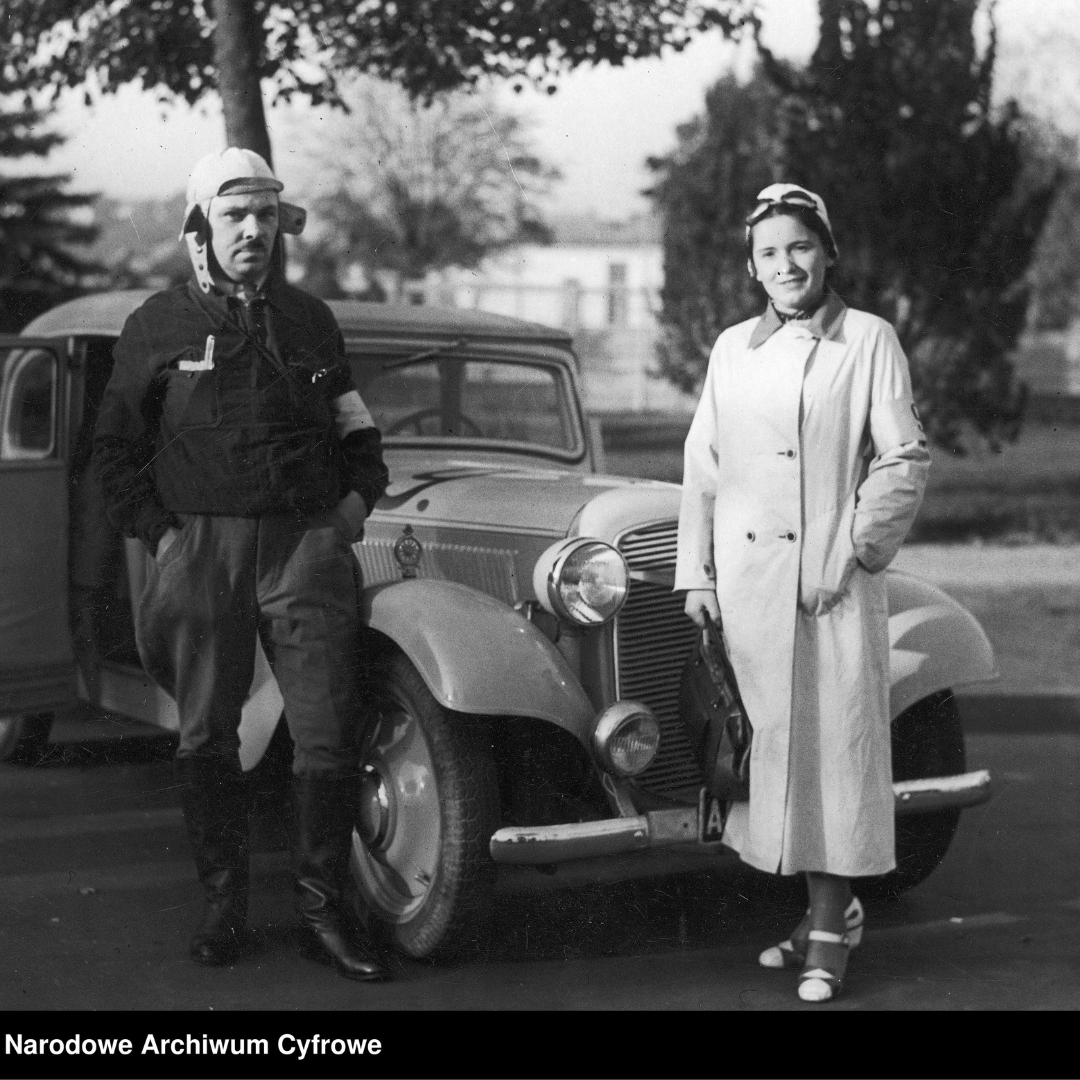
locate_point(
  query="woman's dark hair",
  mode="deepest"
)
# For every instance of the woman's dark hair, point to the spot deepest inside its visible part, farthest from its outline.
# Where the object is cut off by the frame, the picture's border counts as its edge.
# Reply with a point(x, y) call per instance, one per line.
point(800, 213)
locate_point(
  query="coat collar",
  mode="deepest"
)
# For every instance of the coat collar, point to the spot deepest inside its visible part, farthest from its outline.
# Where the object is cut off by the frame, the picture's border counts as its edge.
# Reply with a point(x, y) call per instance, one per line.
point(826, 323)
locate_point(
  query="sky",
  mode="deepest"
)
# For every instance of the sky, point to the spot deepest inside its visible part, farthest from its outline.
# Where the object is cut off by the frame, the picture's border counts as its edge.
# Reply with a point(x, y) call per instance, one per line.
point(597, 129)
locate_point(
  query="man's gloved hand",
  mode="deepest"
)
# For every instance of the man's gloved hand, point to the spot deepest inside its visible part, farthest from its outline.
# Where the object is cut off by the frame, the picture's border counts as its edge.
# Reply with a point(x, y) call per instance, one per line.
point(168, 538)
point(353, 512)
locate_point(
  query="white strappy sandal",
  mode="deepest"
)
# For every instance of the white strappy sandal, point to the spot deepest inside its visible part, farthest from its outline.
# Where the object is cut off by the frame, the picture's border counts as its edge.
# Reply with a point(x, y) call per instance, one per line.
point(823, 984)
point(792, 953)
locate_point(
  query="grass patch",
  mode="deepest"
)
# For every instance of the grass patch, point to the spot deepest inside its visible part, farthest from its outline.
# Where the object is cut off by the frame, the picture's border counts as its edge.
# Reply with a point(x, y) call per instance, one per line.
point(1028, 492)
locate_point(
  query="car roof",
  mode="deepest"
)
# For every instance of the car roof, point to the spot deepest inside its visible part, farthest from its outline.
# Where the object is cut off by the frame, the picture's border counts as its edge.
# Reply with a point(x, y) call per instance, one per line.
point(98, 313)
point(105, 313)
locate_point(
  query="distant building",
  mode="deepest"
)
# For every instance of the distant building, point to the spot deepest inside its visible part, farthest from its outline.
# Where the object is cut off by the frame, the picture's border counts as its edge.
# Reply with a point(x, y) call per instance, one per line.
point(601, 281)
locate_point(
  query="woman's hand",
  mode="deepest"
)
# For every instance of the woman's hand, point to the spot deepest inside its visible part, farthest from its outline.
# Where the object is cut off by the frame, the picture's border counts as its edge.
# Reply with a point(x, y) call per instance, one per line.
point(820, 601)
point(699, 601)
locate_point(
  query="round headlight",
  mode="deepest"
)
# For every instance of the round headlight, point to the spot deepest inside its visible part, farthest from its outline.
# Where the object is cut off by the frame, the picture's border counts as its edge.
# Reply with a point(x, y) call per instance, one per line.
point(583, 581)
point(627, 738)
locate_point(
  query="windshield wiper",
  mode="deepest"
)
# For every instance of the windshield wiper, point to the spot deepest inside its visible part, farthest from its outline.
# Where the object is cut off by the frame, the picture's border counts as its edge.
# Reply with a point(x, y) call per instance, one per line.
point(427, 354)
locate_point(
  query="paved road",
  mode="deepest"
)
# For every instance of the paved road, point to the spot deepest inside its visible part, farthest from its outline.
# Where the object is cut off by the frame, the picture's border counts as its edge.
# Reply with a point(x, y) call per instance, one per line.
point(97, 898)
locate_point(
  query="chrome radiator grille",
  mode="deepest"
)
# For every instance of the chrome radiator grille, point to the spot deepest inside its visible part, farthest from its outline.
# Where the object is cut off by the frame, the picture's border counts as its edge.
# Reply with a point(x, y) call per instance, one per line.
point(653, 637)
point(490, 570)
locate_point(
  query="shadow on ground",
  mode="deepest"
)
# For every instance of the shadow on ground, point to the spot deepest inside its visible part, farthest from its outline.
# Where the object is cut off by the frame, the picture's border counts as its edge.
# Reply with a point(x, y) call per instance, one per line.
point(121, 750)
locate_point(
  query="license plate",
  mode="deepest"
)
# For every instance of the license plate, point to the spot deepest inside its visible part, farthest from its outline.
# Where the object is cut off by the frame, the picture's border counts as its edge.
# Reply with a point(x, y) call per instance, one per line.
point(711, 817)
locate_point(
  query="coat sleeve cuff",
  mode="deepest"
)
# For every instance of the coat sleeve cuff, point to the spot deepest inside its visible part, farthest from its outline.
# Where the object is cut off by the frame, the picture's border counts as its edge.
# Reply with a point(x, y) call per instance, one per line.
point(702, 577)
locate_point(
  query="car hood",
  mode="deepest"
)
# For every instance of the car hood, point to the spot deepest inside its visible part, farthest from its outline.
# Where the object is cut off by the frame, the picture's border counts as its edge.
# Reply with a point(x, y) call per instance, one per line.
point(515, 497)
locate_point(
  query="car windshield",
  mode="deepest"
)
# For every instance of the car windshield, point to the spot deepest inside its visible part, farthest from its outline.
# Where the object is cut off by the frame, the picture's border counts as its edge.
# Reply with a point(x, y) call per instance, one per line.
point(436, 397)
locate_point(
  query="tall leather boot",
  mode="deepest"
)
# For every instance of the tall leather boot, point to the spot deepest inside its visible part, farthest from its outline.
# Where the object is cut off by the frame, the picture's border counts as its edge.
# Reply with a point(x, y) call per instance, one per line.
point(216, 799)
point(324, 827)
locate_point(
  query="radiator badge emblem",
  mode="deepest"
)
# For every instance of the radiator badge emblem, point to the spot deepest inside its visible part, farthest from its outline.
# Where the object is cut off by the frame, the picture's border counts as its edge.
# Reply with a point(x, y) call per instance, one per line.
point(407, 552)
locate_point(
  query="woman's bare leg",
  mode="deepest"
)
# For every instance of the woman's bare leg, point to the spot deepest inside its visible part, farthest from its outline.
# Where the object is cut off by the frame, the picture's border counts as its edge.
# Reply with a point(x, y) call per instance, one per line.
point(829, 898)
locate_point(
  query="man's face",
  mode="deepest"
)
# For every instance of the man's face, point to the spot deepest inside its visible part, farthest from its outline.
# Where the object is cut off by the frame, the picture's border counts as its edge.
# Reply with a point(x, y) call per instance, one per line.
point(242, 229)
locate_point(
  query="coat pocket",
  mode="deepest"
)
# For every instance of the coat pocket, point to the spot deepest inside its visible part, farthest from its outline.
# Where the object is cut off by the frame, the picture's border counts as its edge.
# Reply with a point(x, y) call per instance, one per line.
point(191, 395)
point(828, 560)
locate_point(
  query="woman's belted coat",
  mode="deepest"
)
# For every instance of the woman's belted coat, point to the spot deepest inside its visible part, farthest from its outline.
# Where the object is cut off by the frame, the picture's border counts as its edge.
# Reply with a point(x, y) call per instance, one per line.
point(804, 468)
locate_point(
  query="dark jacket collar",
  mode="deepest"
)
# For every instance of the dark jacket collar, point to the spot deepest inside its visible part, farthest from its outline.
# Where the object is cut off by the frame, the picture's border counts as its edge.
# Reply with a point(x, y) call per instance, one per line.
point(275, 291)
point(826, 323)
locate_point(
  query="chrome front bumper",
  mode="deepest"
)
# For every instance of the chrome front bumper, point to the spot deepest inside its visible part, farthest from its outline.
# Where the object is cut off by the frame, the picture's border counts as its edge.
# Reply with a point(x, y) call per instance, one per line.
point(545, 844)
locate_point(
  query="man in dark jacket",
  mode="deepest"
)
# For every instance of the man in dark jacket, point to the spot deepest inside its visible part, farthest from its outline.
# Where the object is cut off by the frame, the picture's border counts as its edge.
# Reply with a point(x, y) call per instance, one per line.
point(232, 442)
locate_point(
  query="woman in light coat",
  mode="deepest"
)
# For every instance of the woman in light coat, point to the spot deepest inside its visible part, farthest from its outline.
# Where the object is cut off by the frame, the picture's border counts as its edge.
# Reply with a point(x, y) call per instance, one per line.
point(804, 468)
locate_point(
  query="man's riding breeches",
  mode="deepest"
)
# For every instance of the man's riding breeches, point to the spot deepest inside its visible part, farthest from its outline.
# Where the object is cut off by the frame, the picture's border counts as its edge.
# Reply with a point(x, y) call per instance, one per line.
point(226, 581)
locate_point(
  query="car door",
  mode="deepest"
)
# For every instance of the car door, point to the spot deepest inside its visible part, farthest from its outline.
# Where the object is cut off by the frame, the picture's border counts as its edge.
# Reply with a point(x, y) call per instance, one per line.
point(36, 658)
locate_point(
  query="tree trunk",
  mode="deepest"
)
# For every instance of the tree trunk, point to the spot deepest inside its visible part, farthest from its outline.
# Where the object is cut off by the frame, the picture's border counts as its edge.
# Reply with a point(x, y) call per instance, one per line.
point(238, 44)
point(829, 50)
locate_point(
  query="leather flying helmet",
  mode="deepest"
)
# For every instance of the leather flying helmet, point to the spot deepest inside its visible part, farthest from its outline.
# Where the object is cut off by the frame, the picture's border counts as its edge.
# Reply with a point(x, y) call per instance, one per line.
point(233, 171)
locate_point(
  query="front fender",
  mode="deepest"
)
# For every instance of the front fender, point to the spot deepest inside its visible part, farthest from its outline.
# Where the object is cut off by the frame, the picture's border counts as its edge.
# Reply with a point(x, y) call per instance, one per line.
point(934, 642)
point(477, 655)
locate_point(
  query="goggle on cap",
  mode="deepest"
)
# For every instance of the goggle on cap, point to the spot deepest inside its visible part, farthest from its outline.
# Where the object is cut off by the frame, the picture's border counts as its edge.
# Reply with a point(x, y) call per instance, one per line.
point(235, 172)
point(788, 195)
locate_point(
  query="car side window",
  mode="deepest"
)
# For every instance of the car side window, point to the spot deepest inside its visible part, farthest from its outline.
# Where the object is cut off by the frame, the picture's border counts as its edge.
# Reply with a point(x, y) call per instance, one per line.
point(28, 393)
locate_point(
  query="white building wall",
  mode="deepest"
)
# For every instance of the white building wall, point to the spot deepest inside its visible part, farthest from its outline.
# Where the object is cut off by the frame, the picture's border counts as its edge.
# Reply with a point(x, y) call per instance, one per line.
point(606, 295)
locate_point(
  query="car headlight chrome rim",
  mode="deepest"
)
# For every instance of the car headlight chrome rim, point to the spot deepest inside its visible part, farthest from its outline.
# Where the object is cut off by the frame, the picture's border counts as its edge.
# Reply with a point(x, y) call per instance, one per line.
point(582, 581)
point(627, 738)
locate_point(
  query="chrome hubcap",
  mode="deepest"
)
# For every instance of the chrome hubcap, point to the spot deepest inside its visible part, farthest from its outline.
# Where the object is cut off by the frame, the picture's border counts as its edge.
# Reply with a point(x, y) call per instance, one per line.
point(398, 833)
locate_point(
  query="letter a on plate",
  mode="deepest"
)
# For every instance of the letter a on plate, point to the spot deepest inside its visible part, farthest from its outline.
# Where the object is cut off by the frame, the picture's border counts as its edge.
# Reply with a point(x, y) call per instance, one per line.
point(710, 818)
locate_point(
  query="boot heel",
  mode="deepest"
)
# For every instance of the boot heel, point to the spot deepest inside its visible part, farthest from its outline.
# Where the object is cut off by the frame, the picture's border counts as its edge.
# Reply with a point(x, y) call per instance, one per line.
point(323, 838)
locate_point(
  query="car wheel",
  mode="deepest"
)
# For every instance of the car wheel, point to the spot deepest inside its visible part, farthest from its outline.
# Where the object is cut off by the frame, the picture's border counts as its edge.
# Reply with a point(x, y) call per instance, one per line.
point(428, 807)
point(927, 740)
point(23, 737)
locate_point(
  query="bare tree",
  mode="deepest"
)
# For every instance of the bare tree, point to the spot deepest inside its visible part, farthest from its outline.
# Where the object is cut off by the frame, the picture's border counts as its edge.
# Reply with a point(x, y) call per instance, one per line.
point(406, 187)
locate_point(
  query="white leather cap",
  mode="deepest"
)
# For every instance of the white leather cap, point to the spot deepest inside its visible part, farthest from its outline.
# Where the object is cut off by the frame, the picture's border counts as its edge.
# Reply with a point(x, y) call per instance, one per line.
point(235, 171)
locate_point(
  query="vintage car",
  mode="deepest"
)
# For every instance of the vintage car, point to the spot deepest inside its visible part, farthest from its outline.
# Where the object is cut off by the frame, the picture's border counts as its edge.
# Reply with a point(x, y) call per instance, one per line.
point(528, 643)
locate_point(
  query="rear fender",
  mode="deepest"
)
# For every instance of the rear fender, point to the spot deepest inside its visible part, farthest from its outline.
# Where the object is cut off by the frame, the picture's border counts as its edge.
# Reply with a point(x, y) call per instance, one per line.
point(477, 655)
point(934, 643)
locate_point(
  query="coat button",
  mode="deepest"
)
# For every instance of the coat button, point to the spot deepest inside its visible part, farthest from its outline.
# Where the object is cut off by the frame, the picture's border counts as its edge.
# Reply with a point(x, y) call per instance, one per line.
point(789, 453)
point(751, 537)
point(789, 536)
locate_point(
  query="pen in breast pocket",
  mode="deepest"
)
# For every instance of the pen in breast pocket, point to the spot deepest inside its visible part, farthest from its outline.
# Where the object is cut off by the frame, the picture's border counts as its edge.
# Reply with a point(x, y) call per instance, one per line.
point(205, 364)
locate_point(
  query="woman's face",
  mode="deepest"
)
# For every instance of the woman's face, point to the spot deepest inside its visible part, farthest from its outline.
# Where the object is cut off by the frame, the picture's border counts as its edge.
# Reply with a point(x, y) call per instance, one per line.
point(790, 261)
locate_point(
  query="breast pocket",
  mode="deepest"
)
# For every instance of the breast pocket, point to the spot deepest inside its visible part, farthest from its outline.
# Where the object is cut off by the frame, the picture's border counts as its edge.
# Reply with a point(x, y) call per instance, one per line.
point(191, 396)
point(308, 407)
